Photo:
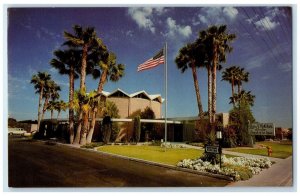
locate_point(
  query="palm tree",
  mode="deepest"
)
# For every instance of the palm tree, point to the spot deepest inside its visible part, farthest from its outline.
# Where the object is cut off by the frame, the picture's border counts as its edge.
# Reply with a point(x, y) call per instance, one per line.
point(67, 62)
point(112, 71)
point(40, 81)
point(51, 92)
point(83, 100)
point(190, 56)
point(230, 74)
point(246, 97)
point(242, 76)
point(60, 106)
point(83, 39)
point(217, 40)
point(51, 107)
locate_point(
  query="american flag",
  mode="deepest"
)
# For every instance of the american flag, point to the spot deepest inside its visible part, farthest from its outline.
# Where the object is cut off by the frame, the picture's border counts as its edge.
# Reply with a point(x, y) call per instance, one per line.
point(153, 62)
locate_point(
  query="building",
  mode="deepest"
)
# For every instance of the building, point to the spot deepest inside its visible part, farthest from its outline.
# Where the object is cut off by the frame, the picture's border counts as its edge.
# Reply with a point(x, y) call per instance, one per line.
point(130, 103)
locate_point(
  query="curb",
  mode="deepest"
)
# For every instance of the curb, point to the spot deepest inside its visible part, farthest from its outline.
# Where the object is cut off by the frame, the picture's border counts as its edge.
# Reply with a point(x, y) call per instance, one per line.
point(152, 163)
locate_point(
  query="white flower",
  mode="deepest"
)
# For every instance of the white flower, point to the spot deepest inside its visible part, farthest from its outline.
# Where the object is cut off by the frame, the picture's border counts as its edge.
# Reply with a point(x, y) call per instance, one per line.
point(255, 165)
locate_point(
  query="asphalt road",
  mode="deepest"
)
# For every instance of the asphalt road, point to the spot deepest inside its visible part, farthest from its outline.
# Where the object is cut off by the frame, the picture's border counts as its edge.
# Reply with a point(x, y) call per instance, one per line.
point(37, 164)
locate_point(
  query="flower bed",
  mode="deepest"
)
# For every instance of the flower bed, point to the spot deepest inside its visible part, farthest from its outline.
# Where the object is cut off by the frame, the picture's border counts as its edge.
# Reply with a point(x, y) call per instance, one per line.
point(239, 168)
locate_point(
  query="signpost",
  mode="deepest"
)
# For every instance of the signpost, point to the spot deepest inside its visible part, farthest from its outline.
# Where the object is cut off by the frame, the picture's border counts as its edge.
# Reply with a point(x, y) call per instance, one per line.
point(262, 129)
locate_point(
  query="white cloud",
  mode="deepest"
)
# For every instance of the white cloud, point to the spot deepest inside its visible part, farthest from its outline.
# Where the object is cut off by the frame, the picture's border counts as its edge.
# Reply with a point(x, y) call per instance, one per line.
point(215, 15)
point(143, 16)
point(230, 12)
point(266, 24)
point(174, 29)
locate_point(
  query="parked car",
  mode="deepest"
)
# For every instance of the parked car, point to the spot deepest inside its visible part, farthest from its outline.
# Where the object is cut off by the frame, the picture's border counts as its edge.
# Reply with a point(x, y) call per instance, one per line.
point(16, 131)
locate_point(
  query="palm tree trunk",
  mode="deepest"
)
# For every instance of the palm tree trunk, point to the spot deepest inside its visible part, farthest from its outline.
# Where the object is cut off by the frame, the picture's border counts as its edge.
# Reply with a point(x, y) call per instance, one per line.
point(83, 67)
point(239, 88)
point(82, 88)
point(232, 91)
point(84, 128)
point(78, 131)
point(214, 84)
point(58, 113)
point(40, 108)
point(51, 114)
point(45, 107)
point(194, 71)
point(71, 106)
point(95, 109)
point(209, 105)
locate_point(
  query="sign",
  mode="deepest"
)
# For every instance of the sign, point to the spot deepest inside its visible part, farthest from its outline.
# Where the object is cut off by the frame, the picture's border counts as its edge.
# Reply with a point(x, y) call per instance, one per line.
point(212, 149)
point(262, 129)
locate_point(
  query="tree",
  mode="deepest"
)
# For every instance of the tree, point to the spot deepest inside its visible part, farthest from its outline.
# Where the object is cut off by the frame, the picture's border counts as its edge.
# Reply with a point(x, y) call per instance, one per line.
point(189, 57)
point(112, 71)
point(60, 106)
point(230, 74)
point(40, 82)
point(111, 109)
point(241, 116)
point(217, 45)
point(147, 128)
point(242, 76)
point(244, 96)
point(137, 128)
point(51, 92)
point(51, 107)
point(67, 62)
point(84, 39)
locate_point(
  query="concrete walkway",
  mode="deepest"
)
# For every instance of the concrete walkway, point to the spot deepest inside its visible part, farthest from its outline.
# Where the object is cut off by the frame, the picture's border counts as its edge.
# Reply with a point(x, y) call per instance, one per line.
point(280, 174)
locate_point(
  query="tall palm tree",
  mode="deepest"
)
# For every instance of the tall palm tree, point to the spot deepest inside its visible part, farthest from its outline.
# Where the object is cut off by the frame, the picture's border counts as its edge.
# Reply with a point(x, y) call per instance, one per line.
point(217, 41)
point(51, 92)
point(190, 57)
point(230, 74)
point(68, 63)
point(242, 76)
point(40, 81)
point(83, 39)
point(112, 71)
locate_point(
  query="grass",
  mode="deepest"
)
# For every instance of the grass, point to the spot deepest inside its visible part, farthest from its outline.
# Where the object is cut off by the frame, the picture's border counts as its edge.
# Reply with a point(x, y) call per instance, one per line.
point(154, 153)
point(280, 150)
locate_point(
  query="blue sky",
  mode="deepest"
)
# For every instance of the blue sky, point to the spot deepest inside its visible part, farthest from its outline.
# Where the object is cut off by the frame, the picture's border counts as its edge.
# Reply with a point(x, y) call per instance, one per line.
point(263, 47)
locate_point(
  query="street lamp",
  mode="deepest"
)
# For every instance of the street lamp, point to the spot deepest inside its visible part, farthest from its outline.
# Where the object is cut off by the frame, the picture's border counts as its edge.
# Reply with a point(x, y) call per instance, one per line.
point(219, 138)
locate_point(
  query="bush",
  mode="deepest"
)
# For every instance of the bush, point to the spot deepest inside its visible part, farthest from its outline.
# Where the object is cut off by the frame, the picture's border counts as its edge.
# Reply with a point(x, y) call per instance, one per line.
point(229, 137)
point(260, 138)
point(137, 128)
point(106, 129)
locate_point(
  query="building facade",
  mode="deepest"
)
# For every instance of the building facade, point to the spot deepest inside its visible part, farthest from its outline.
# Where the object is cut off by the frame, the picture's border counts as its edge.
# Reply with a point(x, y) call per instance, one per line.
point(130, 103)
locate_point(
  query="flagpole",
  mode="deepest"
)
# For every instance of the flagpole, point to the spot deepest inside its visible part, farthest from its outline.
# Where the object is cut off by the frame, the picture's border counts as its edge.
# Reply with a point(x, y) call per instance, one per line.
point(166, 93)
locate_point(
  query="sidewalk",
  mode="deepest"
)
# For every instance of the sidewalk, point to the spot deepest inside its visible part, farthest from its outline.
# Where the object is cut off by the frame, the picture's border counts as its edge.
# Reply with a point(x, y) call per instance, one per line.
point(280, 174)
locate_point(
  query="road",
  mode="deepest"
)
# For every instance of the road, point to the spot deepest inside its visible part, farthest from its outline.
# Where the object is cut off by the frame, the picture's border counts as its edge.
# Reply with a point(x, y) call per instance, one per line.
point(37, 164)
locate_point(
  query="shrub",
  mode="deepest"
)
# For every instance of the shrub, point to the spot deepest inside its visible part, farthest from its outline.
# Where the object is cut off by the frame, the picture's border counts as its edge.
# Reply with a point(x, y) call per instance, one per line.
point(229, 137)
point(137, 128)
point(106, 129)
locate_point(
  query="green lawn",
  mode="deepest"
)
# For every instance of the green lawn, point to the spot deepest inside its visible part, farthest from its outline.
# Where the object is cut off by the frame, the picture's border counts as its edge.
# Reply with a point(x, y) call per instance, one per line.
point(154, 153)
point(280, 150)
